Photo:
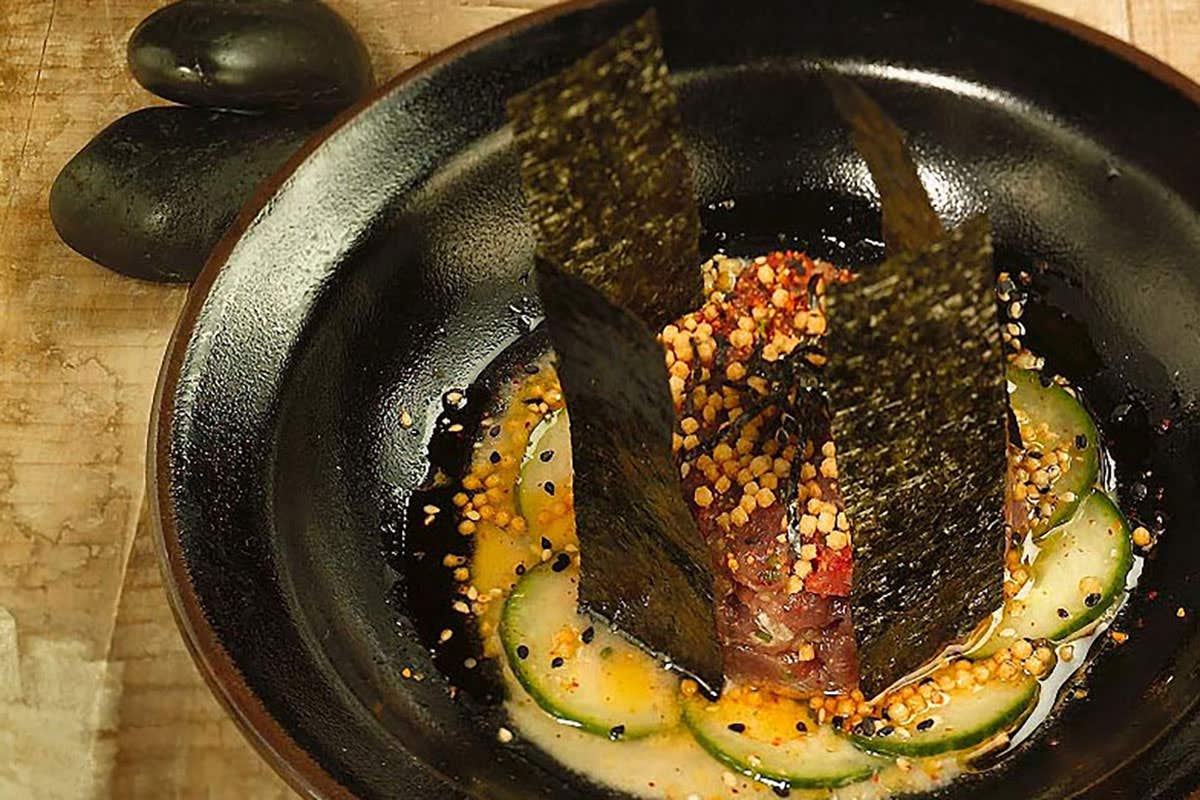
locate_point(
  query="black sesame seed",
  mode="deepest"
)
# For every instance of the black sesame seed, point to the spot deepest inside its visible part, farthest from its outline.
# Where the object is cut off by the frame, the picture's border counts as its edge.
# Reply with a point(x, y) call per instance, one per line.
point(545, 456)
point(925, 724)
point(549, 487)
point(866, 727)
point(838, 722)
point(562, 562)
point(494, 432)
point(886, 730)
point(1081, 441)
point(800, 726)
point(616, 732)
point(1063, 613)
point(531, 369)
point(737, 727)
point(589, 633)
point(1046, 380)
point(546, 544)
point(557, 662)
point(1092, 599)
point(1035, 455)
point(781, 791)
point(520, 569)
point(522, 652)
point(494, 457)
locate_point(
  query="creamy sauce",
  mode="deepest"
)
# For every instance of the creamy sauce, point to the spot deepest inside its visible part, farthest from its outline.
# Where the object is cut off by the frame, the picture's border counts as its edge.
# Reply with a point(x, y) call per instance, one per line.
point(673, 767)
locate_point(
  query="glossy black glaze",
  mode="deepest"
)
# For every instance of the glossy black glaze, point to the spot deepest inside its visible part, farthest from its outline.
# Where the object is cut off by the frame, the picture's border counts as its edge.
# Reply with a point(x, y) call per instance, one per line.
point(155, 190)
point(251, 55)
point(390, 265)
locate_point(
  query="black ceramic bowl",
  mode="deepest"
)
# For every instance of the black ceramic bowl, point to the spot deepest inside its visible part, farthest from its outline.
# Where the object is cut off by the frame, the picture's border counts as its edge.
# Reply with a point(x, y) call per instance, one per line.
point(388, 262)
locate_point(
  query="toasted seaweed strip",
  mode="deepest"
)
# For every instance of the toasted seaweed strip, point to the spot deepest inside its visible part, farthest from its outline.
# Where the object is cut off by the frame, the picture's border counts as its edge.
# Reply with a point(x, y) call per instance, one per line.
point(916, 375)
point(644, 566)
point(606, 178)
point(609, 193)
point(909, 221)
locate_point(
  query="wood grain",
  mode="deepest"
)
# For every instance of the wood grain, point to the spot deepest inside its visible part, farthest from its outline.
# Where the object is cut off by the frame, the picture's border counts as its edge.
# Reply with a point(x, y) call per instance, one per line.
point(98, 697)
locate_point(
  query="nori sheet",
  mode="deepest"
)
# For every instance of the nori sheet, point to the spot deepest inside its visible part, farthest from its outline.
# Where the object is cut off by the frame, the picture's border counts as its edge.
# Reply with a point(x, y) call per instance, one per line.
point(609, 192)
point(916, 374)
point(606, 179)
point(909, 221)
point(644, 566)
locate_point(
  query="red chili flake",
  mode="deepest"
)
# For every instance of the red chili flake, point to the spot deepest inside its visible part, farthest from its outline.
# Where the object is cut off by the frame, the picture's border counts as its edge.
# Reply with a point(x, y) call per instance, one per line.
point(831, 573)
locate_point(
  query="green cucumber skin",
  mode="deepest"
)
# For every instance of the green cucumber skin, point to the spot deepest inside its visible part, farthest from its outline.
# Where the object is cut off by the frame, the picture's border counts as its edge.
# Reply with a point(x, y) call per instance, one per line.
point(763, 773)
point(510, 639)
point(1082, 475)
point(895, 746)
point(1115, 588)
point(1096, 505)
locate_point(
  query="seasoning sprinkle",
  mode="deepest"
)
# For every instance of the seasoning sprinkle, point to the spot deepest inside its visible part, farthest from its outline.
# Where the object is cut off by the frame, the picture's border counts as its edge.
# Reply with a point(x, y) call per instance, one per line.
point(737, 727)
point(616, 732)
point(866, 727)
point(549, 487)
point(801, 727)
point(588, 635)
point(1141, 536)
point(561, 562)
point(1063, 613)
point(545, 456)
point(522, 652)
point(1091, 600)
point(925, 724)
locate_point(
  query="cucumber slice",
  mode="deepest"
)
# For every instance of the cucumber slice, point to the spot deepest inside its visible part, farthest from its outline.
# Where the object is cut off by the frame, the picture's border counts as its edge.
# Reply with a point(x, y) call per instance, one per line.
point(1093, 545)
point(596, 680)
point(1050, 417)
point(970, 716)
point(546, 476)
point(765, 743)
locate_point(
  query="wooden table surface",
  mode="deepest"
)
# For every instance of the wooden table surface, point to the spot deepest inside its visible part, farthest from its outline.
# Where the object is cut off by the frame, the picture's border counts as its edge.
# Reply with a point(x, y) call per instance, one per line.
point(98, 697)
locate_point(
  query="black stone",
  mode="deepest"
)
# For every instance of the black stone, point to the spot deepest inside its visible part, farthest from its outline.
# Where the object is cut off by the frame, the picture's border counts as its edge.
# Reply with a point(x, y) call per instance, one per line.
point(152, 194)
point(251, 55)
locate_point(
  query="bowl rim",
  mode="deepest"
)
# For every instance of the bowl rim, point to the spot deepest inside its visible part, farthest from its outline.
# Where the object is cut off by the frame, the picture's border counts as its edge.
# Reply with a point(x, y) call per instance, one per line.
point(273, 743)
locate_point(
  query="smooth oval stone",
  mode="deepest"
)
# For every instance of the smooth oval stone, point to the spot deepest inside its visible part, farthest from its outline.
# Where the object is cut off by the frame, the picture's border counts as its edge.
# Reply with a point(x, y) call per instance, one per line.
point(155, 190)
point(251, 55)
